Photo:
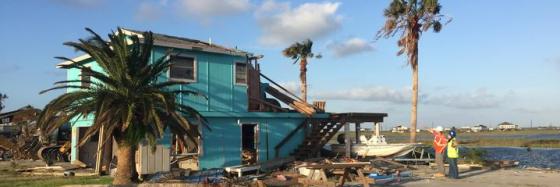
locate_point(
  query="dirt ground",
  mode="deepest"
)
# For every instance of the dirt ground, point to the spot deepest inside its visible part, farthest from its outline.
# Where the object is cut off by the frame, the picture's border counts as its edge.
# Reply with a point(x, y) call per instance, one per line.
point(422, 177)
point(486, 177)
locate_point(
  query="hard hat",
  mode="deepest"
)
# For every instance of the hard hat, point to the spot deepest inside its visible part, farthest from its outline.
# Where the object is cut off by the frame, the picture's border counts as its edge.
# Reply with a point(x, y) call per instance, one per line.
point(439, 128)
point(452, 133)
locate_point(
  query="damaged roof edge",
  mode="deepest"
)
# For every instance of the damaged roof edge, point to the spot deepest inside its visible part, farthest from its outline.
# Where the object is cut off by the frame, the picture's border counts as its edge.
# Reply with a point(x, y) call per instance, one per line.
point(163, 40)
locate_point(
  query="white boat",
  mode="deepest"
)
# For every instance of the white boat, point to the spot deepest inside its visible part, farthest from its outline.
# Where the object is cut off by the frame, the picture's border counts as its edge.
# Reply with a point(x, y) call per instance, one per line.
point(378, 150)
point(376, 146)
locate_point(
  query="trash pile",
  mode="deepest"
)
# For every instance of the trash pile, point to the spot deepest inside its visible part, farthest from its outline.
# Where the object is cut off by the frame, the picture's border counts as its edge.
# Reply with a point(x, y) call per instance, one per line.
point(287, 172)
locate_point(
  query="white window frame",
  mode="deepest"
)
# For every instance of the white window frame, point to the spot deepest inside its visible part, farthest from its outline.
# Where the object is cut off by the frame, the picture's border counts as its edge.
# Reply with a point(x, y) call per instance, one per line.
point(235, 73)
point(195, 68)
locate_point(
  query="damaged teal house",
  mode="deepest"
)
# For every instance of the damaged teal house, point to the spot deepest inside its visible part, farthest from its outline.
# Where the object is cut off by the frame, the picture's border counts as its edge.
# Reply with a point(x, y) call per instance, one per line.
point(252, 119)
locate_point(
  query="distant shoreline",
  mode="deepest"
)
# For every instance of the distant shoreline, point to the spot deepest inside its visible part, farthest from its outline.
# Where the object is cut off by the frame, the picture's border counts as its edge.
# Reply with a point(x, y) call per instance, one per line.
point(534, 138)
point(515, 147)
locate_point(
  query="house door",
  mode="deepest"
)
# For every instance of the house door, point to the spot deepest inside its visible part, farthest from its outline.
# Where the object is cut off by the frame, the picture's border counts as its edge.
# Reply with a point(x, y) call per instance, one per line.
point(249, 143)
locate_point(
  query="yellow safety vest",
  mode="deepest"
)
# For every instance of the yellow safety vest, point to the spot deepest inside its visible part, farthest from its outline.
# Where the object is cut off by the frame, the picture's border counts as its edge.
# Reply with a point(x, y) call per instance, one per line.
point(452, 152)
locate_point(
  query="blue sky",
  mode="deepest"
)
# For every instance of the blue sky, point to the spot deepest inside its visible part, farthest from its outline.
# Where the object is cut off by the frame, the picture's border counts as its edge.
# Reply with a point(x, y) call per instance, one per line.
point(496, 61)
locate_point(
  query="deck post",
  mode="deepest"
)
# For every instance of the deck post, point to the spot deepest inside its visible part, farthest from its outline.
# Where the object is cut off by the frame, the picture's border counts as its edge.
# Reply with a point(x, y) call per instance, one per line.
point(377, 129)
point(357, 129)
point(347, 141)
point(99, 154)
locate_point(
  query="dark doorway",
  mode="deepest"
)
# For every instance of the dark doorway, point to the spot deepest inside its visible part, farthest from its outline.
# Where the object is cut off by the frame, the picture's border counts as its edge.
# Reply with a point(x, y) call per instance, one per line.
point(249, 138)
point(87, 152)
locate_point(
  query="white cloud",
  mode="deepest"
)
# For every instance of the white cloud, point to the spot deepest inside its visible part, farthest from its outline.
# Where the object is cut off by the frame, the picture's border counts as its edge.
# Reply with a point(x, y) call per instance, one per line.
point(528, 110)
point(480, 98)
point(477, 99)
point(349, 47)
point(377, 93)
point(208, 9)
point(150, 11)
point(281, 25)
point(291, 86)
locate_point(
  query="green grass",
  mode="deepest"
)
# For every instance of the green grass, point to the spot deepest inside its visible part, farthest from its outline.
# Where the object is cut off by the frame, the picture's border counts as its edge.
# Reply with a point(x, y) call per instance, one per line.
point(13, 179)
point(546, 143)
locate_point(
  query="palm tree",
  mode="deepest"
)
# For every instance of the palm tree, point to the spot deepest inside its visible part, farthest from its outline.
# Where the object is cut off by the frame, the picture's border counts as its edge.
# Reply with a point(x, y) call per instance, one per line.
point(410, 18)
point(301, 51)
point(125, 99)
point(3, 97)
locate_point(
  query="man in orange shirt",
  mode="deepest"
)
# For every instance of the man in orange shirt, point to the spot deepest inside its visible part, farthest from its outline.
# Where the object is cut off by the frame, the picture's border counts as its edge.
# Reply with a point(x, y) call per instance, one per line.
point(439, 146)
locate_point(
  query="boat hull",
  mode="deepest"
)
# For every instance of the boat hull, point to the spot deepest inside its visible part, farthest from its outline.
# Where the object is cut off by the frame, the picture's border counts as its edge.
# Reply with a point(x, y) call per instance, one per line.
point(381, 150)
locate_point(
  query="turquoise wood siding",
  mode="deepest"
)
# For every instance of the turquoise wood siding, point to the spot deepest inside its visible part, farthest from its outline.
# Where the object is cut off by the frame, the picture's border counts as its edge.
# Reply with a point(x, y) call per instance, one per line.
point(222, 145)
point(214, 79)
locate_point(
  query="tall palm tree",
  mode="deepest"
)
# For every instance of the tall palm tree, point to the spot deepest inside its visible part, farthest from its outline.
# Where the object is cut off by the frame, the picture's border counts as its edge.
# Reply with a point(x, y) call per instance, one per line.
point(301, 51)
point(410, 18)
point(3, 97)
point(125, 99)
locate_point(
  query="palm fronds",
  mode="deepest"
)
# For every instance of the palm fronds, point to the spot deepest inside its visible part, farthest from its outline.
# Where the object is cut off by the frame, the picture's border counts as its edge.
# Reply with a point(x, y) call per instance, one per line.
point(125, 97)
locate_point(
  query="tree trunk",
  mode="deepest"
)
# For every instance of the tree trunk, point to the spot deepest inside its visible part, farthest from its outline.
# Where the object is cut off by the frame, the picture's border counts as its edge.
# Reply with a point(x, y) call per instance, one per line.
point(125, 163)
point(303, 78)
point(413, 112)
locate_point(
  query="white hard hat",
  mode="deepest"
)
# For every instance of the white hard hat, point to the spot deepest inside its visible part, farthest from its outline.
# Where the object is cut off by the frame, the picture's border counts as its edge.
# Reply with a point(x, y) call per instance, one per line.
point(439, 128)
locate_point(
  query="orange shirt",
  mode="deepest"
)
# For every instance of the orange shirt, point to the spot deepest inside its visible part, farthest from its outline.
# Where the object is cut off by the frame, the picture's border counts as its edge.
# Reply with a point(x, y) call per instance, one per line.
point(439, 142)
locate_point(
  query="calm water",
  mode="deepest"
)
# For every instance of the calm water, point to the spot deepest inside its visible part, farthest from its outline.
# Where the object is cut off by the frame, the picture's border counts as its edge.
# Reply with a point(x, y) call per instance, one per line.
point(474, 136)
point(537, 157)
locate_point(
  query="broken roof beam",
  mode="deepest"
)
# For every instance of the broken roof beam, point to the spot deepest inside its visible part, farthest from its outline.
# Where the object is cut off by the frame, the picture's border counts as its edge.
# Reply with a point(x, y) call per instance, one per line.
point(299, 106)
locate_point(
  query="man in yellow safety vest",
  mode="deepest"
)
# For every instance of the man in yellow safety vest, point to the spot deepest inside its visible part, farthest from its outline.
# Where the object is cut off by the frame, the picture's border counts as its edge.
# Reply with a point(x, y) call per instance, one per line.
point(452, 155)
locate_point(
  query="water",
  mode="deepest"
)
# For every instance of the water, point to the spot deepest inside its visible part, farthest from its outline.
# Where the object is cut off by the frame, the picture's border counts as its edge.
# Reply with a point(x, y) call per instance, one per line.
point(475, 136)
point(537, 157)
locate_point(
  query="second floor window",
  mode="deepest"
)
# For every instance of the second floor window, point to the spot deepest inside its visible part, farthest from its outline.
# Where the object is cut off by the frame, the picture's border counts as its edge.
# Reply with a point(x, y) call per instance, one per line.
point(241, 73)
point(182, 69)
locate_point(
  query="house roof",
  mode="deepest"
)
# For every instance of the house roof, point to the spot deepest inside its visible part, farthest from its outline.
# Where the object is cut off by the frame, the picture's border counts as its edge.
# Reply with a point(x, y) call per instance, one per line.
point(175, 42)
point(11, 113)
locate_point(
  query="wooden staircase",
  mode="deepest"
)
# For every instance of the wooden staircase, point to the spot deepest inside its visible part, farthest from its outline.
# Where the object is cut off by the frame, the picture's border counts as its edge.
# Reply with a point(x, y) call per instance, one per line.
point(320, 135)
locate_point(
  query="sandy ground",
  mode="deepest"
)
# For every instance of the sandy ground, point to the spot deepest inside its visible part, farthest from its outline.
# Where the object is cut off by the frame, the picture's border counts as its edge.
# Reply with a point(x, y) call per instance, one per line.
point(422, 177)
point(487, 177)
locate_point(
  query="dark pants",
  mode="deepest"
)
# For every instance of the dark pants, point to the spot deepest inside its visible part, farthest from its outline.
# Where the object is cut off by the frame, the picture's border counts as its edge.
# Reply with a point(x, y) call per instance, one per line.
point(453, 170)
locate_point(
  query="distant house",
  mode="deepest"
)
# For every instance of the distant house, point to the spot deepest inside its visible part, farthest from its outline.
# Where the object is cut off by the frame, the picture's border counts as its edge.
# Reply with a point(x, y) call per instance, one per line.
point(400, 129)
point(507, 126)
point(479, 128)
point(10, 121)
point(465, 129)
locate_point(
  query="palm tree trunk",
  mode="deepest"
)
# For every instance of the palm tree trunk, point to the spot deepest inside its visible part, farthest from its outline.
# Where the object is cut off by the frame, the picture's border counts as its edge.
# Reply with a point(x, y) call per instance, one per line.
point(303, 78)
point(125, 163)
point(413, 112)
